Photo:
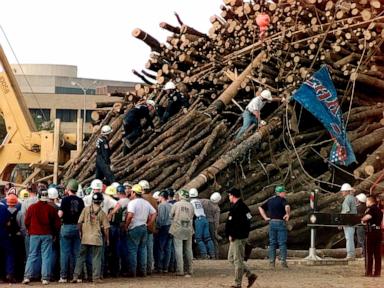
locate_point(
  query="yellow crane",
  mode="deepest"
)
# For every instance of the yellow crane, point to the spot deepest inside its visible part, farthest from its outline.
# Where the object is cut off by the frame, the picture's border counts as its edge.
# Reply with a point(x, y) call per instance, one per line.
point(24, 144)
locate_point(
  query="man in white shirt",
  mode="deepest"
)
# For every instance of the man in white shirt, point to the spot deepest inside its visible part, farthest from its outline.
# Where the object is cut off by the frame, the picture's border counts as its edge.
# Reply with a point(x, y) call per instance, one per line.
point(202, 235)
point(140, 215)
point(251, 114)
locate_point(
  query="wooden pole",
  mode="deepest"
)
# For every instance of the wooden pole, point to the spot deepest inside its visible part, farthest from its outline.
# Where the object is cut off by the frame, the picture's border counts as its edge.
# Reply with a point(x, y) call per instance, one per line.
point(56, 147)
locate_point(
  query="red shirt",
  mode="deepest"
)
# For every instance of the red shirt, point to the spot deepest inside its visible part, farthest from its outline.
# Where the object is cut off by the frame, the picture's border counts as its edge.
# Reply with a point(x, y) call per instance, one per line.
point(42, 219)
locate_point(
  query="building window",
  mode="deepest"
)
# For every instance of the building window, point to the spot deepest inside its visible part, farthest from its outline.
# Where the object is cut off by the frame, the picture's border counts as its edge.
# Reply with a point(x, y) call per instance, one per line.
point(43, 114)
point(88, 115)
point(66, 115)
point(74, 90)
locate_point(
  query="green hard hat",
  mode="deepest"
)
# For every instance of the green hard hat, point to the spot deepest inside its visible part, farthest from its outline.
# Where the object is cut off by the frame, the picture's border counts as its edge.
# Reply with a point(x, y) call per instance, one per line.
point(73, 185)
point(183, 193)
point(280, 188)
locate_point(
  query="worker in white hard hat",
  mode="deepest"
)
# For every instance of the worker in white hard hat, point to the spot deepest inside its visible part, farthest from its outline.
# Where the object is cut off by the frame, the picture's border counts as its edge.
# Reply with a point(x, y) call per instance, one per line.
point(103, 155)
point(349, 207)
point(176, 101)
point(212, 212)
point(132, 125)
point(360, 230)
point(251, 114)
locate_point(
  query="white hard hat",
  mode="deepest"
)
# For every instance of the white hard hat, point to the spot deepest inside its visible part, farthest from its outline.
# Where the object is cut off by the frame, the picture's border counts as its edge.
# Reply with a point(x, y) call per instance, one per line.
point(169, 86)
point(215, 197)
point(151, 102)
point(346, 187)
point(156, 195)
point(144, 184)
point(115, 184)
point(361, 197)
point(53, 193)
point(266, 94)
point(193, 193)
point(106, 129)
point(97, 185)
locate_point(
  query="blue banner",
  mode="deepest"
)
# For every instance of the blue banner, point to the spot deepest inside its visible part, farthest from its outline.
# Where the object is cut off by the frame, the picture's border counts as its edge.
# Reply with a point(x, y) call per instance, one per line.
point(318, 95)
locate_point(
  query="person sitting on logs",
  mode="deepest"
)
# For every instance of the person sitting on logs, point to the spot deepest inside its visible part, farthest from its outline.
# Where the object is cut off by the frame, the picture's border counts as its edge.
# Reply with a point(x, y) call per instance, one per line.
point(132, 122)
point(251, 114)
point(176, 101)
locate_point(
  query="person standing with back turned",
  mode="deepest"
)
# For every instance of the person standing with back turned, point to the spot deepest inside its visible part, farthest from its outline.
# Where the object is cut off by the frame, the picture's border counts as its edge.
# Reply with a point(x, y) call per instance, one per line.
point(278, 211)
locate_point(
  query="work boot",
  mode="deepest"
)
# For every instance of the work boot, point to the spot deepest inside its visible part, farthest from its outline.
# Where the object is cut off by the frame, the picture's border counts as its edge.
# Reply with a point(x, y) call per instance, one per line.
point(284, 264)
point(26, 281)
point(251, 279)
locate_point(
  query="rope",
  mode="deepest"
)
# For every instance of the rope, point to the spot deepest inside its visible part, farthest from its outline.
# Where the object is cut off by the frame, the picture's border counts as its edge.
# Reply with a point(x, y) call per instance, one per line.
point(22, 72)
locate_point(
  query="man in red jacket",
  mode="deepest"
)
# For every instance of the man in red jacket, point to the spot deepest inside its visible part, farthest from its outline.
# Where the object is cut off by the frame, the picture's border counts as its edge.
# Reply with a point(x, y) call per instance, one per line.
point(42, 223)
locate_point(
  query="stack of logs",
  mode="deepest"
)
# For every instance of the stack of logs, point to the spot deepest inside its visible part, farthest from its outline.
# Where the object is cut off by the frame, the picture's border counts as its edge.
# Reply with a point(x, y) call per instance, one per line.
point(198, 149)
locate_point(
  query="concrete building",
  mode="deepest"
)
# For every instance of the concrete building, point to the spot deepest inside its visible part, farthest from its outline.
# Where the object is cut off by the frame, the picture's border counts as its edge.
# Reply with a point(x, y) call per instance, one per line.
point(55, 91)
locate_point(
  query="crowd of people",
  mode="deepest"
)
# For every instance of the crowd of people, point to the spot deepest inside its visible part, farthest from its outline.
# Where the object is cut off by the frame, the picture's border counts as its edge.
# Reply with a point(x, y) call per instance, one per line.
point(72, 235)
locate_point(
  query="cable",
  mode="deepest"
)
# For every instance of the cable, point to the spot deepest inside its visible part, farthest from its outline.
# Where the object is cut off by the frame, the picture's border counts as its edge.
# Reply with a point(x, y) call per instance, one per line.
point(22, 72)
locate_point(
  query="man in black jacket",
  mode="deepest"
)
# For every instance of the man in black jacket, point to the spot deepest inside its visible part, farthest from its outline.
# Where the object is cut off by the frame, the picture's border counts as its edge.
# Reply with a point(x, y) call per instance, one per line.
point(237, 230)
point(103, 154)
point(132, 122)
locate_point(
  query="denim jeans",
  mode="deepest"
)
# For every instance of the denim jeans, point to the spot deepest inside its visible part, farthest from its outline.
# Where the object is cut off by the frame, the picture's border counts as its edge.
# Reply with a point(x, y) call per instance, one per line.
point(39, 246)
point(203, 237)
point(212, 232)
point(248, 120)
point(349, 233)
point(123, 251)
point(149, 253)
point(96, 252)
point(137, 250)
point(277, 237)
point(112, 261)
point(183, 254)
point(69, 249)
point(360, 233)
point(164, 248)
point(7, 251)
point(172, 257)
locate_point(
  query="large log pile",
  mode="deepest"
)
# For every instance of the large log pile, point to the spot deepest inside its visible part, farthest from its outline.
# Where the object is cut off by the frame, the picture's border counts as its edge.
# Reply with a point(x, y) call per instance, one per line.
point(221, 71)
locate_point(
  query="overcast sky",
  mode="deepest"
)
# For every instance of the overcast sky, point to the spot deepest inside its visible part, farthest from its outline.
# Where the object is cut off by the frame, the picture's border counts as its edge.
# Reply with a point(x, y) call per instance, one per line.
point(94, 35)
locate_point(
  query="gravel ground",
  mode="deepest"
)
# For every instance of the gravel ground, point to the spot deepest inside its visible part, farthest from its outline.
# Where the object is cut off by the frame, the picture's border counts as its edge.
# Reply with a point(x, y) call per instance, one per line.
point(219, 273)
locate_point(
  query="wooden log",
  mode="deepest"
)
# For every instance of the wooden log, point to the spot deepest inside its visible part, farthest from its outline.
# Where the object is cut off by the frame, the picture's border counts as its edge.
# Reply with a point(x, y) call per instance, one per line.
point(169, 27)
point(148, 39)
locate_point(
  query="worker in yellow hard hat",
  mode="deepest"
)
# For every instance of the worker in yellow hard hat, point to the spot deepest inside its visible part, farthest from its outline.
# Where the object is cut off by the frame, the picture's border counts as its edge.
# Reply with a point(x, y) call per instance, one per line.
point(23, 194)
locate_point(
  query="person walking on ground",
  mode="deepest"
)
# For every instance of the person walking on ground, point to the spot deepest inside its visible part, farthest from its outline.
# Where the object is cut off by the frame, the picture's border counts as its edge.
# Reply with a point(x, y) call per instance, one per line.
point(181, 229)
point(278, 211)
point(69, 212)
point(360, 230)
point(373, 218)
point(163, 223)
point(251, 114)
point(349, 207)
point(202, 235)
point(140, 215)
point(132, 123)
point(237, 230)
point(176, 101)
point(151, 228)
point(6, 238)
point(212, 211)
point(93, 225)
point(42, 223)
point(103, 155)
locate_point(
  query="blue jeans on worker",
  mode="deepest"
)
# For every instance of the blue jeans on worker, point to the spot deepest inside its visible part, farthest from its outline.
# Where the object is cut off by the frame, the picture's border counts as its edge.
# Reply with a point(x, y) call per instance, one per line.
point(203, 238)
point(123, 252)
point(112, 259)
point(349, 233)
point(248, 119)
point(8, 253)
point(37, 267)
point(137, 250)
point(278, 235)
point(164, 248)
point(149, 252)
point(39, 246)
point(69, 249)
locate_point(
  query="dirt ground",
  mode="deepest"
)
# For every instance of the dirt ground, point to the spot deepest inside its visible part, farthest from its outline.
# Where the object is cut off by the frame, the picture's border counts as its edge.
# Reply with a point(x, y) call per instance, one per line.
point(210, 274)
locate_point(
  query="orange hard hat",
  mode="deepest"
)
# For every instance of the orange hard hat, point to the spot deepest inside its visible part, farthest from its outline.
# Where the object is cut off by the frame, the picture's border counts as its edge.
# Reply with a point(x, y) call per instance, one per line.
point(263, 20)
point(12, 200)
